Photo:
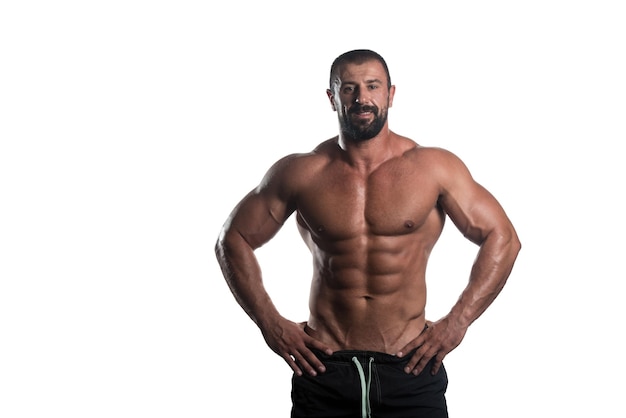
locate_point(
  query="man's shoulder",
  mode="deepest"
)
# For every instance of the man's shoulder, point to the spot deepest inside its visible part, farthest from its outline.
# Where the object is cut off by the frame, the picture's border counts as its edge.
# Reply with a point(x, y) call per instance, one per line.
point(298, 165)
point(431, 154)
point(326, 149)
point(320, 154)
point(440, 164)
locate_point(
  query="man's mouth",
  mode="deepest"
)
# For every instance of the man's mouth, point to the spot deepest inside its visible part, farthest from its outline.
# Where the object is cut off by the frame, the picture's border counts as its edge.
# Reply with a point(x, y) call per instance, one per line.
point(363, 111)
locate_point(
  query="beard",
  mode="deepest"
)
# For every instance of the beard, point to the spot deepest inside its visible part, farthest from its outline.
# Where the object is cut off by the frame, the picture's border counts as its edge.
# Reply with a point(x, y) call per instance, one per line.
point(361, 130)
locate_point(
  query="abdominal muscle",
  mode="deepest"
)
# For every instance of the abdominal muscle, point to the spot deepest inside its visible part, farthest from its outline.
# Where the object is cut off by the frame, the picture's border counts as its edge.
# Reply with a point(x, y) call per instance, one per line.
point(382, 311)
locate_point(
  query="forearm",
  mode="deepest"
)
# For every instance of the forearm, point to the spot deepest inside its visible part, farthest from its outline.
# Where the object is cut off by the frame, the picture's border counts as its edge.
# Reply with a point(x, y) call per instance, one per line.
point(488, 276)
point(243, 276)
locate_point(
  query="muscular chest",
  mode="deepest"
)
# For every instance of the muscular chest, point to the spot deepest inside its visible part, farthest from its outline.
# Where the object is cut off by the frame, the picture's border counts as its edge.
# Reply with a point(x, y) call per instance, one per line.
point(388, 202)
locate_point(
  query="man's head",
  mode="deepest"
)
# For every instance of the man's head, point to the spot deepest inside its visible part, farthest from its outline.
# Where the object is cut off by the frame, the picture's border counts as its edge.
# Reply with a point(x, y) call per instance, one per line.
point(361, 92)
point(357, 56)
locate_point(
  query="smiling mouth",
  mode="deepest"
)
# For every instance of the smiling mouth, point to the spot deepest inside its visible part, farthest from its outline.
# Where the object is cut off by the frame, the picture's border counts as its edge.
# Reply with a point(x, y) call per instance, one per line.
point(362, 111)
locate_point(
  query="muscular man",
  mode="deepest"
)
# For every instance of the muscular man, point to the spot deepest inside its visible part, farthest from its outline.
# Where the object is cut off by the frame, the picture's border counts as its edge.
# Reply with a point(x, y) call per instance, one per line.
point(370, 204)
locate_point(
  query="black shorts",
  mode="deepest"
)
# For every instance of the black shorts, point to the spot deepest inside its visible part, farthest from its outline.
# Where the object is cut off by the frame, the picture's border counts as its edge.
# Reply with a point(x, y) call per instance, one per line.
point(369, 384)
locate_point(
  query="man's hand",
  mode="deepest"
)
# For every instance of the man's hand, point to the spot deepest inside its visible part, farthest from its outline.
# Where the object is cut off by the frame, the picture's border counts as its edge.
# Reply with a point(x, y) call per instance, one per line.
point(288, 340)
point(436, 341)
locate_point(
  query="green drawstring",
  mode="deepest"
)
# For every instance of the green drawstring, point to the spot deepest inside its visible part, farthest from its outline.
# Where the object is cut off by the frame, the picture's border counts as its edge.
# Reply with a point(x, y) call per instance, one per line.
point(365, 386)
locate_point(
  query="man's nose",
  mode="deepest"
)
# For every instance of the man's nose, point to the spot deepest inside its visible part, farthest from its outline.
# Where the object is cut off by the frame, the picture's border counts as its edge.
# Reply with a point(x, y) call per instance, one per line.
point(361, 97)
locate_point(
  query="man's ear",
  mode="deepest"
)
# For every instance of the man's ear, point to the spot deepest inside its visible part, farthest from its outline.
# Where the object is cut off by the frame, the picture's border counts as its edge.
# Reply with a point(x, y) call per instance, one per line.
point(392, 92)
point(331, 97)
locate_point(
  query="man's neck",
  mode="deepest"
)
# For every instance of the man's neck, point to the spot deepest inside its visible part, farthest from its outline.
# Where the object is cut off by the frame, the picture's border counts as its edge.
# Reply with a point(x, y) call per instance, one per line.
point(367, 155)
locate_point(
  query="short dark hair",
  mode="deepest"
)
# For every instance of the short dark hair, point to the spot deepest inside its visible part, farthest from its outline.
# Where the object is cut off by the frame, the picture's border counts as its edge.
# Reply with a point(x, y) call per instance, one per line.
point(357, 56)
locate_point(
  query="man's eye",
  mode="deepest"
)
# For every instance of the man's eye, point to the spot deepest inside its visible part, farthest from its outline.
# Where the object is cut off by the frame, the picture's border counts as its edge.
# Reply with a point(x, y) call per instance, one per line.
point(372, 87)
point(348, 89)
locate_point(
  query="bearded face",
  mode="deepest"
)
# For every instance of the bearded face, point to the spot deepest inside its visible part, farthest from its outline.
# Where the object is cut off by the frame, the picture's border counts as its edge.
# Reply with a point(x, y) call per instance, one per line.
point(361, 95)
point(362, 122)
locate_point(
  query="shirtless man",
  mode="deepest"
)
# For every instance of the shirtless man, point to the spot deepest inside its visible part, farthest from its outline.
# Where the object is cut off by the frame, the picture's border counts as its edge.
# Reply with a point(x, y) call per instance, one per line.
point(370, 204)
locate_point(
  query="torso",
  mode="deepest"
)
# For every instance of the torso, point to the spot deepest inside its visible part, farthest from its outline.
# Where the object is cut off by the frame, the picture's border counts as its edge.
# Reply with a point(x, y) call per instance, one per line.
point(370, 233)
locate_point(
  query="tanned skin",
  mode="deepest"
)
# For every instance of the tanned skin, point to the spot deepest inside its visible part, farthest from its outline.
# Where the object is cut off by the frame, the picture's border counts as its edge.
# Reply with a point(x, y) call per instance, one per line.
point(370, 211)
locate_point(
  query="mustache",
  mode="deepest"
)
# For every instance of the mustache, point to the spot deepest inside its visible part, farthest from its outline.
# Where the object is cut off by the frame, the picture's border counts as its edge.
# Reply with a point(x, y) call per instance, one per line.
point(356, 108)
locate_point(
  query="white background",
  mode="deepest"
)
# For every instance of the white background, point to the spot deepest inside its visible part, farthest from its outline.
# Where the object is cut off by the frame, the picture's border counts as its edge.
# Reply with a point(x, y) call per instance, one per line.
point(129, 129)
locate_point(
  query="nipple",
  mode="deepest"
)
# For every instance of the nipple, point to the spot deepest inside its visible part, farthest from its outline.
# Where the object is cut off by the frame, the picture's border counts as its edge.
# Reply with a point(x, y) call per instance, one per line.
point(409, 224)
point(321, 229)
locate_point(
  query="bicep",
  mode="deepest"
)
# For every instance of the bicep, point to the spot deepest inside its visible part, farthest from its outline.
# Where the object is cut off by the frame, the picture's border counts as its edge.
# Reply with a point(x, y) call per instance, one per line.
point(471, 207)
point(264, 210)
point(475, 212)
point(258, 217)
